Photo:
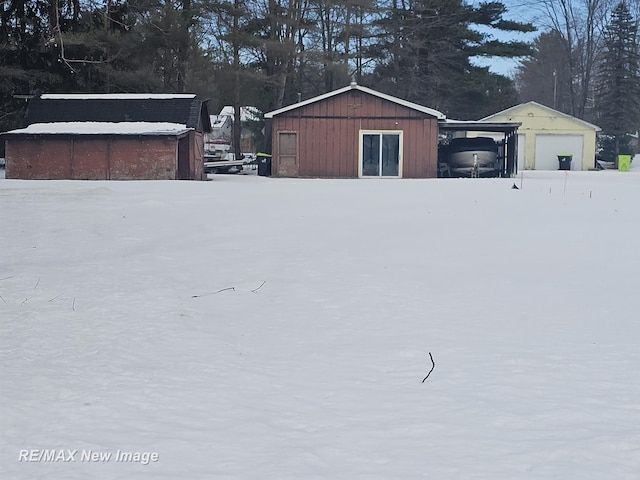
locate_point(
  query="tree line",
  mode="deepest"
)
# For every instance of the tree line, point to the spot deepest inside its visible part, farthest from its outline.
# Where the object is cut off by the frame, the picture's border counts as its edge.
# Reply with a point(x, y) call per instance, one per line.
point(271, 53)
point(265, 53)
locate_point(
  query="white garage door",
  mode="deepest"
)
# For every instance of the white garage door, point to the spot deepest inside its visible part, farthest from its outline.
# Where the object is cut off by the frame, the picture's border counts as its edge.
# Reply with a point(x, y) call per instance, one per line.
point(548, 147)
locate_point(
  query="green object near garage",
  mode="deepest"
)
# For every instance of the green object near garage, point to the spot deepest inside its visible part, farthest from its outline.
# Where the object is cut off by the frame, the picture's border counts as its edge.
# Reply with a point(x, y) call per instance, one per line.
point(624, 162)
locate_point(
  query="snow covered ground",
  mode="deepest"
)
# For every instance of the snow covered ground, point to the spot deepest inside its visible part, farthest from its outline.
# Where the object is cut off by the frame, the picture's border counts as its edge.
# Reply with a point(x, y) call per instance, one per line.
point(259, 328)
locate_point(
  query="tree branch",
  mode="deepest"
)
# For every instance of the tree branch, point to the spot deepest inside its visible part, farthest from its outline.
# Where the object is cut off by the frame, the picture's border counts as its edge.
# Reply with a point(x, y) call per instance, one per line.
point(433, 365)
point(213, 293)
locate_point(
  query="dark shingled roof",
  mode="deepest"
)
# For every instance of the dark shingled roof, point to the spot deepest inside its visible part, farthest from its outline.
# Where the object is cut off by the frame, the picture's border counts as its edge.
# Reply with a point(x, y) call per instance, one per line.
point(183, 109)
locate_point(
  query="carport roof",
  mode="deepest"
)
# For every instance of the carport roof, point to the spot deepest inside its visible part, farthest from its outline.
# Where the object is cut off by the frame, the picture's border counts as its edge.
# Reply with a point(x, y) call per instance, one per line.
point(478, 126)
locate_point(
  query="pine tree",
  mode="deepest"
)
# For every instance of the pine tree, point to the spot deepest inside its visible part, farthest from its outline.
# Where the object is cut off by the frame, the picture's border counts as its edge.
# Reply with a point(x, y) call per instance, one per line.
point(426, 55)
point(618, 92)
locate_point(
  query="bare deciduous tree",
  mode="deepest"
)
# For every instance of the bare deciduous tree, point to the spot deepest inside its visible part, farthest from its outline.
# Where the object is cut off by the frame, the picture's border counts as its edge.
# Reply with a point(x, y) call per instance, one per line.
point(580, 23)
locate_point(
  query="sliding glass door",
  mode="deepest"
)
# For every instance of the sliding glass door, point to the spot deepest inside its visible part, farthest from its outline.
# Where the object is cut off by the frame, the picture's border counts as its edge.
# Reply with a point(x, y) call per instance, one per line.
point(380, 154)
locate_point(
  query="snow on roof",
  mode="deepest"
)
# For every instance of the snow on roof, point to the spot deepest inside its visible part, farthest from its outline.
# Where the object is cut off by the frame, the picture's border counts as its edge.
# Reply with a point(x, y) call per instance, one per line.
point(114, 96)
point(103, 128)
point(461, 122)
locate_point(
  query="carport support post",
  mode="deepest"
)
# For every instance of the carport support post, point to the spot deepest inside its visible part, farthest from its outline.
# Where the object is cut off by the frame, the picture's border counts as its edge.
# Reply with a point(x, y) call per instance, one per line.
point(108, 172)
point(512, 148)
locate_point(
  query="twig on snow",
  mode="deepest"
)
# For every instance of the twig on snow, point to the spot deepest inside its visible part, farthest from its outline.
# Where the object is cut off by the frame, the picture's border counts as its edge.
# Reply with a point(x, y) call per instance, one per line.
point(6, 278)
point(2, 299)
point(256, 289)
point(54, 298)
point(24, 301)
point(213, 293)
point(36, 285)
point(73, 304)
point(433, 365)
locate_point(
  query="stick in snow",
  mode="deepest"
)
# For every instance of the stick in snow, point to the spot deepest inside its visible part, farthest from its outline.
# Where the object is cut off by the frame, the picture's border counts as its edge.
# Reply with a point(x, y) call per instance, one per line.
point(213, 293)
point(433, 365)
point(256, 289)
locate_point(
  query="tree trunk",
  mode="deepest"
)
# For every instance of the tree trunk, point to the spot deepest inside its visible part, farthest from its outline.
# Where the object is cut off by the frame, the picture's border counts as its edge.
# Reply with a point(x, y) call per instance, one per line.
point(183, 46)
point(237, 120)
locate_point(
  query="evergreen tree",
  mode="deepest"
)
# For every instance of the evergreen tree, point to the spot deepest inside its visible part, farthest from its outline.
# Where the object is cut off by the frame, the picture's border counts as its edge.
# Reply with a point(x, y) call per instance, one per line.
point(426, 55)
point(103, 52)
point(27, 60)
point(618, 91)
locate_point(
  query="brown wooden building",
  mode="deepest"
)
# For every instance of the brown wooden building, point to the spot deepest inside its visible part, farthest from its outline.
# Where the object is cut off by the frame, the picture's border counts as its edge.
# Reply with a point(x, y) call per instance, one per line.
point(109, 137)
point(355, 132)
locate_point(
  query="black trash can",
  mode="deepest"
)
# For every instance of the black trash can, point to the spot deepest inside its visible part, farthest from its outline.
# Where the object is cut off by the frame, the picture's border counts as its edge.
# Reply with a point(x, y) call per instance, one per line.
point(564, 162)
point(264, 164)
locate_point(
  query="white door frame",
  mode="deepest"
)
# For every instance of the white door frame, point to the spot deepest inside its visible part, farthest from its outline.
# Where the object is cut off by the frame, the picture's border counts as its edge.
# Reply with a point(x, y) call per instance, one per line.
point(361, 135)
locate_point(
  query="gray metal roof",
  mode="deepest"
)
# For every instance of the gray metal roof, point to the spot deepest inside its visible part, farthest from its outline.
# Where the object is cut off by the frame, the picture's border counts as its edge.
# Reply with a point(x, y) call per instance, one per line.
point(185, 109)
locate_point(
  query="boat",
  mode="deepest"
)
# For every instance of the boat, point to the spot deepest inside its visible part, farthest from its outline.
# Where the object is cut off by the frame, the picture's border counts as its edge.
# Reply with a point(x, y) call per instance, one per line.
point(468, 153)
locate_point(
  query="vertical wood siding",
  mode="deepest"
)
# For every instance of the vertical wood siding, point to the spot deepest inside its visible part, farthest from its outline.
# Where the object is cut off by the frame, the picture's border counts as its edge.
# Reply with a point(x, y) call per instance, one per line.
point(328, 133)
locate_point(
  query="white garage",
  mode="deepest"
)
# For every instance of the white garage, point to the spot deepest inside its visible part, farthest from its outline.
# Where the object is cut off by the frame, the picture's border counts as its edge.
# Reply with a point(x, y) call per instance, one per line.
point(546, 133)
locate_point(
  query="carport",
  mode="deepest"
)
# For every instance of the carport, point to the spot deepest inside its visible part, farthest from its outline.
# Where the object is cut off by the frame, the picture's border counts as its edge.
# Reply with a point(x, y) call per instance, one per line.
point(504, 133)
